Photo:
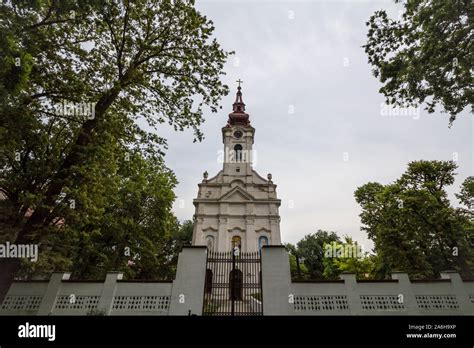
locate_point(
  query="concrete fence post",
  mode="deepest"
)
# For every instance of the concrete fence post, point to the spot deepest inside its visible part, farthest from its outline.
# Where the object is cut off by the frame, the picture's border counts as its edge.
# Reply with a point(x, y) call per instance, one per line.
point(352, 293)
point(187, 294)
point(277, 294)
point(49, 299)
point(108, 291)
point(405, 289)
point(458, 289)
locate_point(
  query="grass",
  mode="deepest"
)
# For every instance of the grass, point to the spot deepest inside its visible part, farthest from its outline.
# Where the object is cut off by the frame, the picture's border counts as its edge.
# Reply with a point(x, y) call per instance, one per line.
point(257, 296)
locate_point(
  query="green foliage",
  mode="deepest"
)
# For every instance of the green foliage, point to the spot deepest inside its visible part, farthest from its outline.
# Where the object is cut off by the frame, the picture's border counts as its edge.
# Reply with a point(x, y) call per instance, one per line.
point(294, 269)
point(326, 257)
point(311, 250)
point(211, 306)
point(424, 56)
point(86, 188)
point(466, 195)
point(355, 261)
point(96, 312)
point(413, 225)
point(257, 296)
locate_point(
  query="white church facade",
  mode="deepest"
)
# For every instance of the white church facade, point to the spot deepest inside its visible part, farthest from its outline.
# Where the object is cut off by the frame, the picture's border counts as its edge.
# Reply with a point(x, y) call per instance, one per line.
point(237, 207)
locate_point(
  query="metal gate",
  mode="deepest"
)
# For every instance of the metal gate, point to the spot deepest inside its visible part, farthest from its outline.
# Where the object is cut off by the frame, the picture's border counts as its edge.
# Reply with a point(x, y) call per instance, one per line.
point(233, 284)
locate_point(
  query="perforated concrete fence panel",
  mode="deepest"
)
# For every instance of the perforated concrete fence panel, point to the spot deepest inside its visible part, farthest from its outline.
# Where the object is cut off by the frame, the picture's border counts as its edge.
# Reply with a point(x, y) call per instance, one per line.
point(77, 298)
point(320, 298)
point(142, 298)
point(24, 298)
point(449, 295)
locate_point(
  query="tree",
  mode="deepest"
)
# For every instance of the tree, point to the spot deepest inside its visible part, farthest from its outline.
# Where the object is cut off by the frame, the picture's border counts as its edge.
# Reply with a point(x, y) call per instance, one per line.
point(326, 257)
point(297, 271)
point(394, 242)
point(181, 236)
point(120, 222)
point(303, 272)
point(413, 225)
point(352, 260)
point(311, 249)
point(424, 56)
point(466, 195)
point(132, 62)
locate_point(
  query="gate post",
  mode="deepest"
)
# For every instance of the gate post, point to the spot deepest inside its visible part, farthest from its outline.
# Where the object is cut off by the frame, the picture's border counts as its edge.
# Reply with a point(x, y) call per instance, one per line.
point(276, 281)
point(232, 282)
point(188, 287)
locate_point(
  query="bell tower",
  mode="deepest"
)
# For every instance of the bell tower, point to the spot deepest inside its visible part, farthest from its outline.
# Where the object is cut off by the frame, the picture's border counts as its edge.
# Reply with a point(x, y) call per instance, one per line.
point(238, 138)
point(237, 207)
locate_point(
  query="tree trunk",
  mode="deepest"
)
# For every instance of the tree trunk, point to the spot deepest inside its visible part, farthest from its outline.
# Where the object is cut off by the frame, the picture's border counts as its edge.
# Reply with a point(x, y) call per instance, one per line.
point(9, 267)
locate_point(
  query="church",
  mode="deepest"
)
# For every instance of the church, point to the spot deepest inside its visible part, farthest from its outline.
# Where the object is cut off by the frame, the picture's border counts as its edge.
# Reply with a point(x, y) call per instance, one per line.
point(237, 265)
point(237, 207)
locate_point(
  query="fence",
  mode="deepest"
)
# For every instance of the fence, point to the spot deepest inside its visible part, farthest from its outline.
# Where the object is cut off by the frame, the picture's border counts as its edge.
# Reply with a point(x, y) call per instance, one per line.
point(60, 296)
point(399, 296)
point(185, 295)
point(233, 284)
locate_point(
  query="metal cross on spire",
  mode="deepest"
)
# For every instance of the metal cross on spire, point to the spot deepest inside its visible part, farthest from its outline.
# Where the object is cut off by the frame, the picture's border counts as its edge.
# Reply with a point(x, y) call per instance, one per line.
point(239, 103)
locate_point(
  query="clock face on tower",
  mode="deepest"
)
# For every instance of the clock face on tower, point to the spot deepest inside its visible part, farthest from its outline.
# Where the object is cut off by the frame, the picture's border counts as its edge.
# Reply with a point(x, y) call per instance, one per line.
point(238, 134)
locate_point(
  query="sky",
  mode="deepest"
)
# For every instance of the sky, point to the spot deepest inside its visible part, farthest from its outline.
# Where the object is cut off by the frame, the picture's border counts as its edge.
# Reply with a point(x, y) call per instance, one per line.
point(321, 127)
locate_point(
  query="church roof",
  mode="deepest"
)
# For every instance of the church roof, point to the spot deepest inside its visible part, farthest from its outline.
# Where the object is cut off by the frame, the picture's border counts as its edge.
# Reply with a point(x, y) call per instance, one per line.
point(239, 193)
point(238, 116)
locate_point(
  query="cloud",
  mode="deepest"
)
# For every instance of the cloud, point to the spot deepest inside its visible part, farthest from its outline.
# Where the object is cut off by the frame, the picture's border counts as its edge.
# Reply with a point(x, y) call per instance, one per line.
point(314, 63)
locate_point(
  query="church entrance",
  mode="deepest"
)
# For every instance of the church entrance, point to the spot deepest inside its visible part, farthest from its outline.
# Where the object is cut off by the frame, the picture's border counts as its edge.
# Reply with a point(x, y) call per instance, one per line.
point(233, 284)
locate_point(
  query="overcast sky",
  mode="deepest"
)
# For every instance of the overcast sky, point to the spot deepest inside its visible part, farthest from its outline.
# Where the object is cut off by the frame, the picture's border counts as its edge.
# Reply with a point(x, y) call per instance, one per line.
point(306, 57)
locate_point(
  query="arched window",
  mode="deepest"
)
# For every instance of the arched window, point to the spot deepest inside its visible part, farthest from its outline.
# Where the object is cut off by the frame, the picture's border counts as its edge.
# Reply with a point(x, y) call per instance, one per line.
point(236, 242)
point(262, 240)
point(210, 243)
point(238, 153)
